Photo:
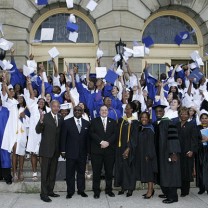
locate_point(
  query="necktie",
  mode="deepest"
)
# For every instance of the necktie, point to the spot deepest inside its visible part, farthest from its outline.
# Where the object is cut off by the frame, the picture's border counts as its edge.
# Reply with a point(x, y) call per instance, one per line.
point(78, 125)
point(55, 120)
point(104, 124)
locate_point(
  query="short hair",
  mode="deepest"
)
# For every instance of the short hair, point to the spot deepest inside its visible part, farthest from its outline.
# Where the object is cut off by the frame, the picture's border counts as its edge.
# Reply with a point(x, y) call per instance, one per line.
point(103, 106)
point(54, 101)
point(183, 110)
point(203, 114)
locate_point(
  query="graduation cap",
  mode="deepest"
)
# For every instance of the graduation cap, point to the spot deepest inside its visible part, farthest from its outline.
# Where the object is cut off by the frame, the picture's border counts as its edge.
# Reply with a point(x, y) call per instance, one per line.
point(27, 70)
point(91, 5)
point(158, 105)
point(65, 106)
point(148, 41)
point(47, 34)
point(72, 27)
point(53, 52)
point(99, 53)
point(73, 36)
point(181, 36)
point(5, 65)
point(70, 4)
point(111, 76)
point(5, 44)
point(41, 2)
point(72, 18)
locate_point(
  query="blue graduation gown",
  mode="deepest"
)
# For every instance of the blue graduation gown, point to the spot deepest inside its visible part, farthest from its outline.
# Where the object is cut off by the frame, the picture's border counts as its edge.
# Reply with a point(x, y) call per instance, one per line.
point(4, 155)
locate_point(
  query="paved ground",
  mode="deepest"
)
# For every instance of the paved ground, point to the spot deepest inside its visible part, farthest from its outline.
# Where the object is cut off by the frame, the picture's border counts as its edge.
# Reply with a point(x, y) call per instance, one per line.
point(20, 200)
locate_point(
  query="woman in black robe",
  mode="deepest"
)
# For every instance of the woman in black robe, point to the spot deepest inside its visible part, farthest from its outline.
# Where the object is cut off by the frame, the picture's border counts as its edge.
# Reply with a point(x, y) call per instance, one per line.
point(146, 160)
point(187, 133)
point(125, 152)
point(202, 156)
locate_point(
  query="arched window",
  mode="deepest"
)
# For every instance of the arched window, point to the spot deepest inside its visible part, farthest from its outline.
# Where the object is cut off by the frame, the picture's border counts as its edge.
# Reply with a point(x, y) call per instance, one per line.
point(61, 34)
point(163, 30)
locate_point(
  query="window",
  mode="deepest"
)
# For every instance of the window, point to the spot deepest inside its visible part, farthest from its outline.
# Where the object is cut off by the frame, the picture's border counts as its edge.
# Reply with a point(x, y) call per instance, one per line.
point(164, 29)
point(82, 69)
point(61, 34)
point(156, 69)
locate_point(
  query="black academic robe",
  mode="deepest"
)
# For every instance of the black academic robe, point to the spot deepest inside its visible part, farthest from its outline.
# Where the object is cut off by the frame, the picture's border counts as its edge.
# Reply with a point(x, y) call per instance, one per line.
point(167, 143)
point(188, 140)
point(146, 159)
point(201, 163)
point(125, 168)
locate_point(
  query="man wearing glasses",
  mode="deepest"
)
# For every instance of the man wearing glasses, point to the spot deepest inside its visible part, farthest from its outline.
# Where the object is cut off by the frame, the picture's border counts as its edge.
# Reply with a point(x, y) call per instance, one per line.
point(74, 147)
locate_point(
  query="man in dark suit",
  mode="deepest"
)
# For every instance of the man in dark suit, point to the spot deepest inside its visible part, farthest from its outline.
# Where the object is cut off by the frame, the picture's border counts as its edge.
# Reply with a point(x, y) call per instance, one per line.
point(103, 137)
point(49, 125)
point(74, 146)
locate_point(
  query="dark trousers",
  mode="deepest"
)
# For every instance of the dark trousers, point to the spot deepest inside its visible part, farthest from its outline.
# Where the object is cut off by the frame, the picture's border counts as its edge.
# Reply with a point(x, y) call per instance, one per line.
point(73, 166)
point(48, 174)
point(5, 173)
point(185, 186)
point(170, 192)
point(98, 160)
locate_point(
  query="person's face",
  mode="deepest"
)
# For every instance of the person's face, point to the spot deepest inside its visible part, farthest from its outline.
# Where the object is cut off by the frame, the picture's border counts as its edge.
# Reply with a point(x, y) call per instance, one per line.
point(64, 112)
point(144, 119)
point(149, 103)
point(179, 81)
point(81, 105)
point(66, 96)
point(126, 95)
point(20, 99)
point(184, 116)
point(12, 92)
point(48, 98)
point(55, 107)
point(204, 120)
point(17, 88)
point(49, 79)
point(187, 73)
point(41, 103)
point(104, 111)
point(142, 82)
point(91, 85)
point(191, 112)
point(114, 91)
point(99, 82)
point(128, 110)
point(107, 101)
point(170, 97)
point(174, 105)
point(35, 93)
point(78, 112)
point(56, 90)
point(75, 68)
point(159, 112)
point(173, 89)
point(61, 77)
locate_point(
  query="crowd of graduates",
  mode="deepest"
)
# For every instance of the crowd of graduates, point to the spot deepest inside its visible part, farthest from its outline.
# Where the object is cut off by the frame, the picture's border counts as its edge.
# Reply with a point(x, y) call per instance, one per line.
point(159, 121)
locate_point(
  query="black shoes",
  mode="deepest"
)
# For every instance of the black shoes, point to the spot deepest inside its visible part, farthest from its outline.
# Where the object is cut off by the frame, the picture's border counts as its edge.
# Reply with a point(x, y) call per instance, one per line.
point(148, 197)
point(201, 192)
point(121, 192)
point(169, 201)
point(82, 194)
point(69, 196)
point(129, 193)
point(45, 198)
point(96, 196)
point(162, 196)
point(54, 195)
point(183, 195)
point(111, 194)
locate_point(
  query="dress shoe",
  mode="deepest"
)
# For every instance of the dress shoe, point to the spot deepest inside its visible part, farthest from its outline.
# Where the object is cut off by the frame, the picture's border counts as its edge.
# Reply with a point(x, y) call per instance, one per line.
point(129, 193)
point(54, 195)
point(201, 192)
point(96, 196)
point(148, 197)
point(9, 182)
point(111, 194)
point(121, 192)
point(82, 194)
point(169, 201)
point(162, 196)
point(183, 195)
point(45, 199)
point(69, 196)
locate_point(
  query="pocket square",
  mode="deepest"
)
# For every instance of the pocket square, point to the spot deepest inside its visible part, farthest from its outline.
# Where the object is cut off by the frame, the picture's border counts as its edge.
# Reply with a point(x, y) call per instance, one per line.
point(86, 128)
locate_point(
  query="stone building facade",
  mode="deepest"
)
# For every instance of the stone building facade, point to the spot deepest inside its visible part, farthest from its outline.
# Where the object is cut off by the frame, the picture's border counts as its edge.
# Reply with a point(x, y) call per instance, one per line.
point(110, 21)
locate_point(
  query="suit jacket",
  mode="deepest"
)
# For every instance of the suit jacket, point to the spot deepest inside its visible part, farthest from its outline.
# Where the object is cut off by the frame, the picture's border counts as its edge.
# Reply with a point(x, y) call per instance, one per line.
point(97, 134)
point(73, 143)
point(49, 144)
